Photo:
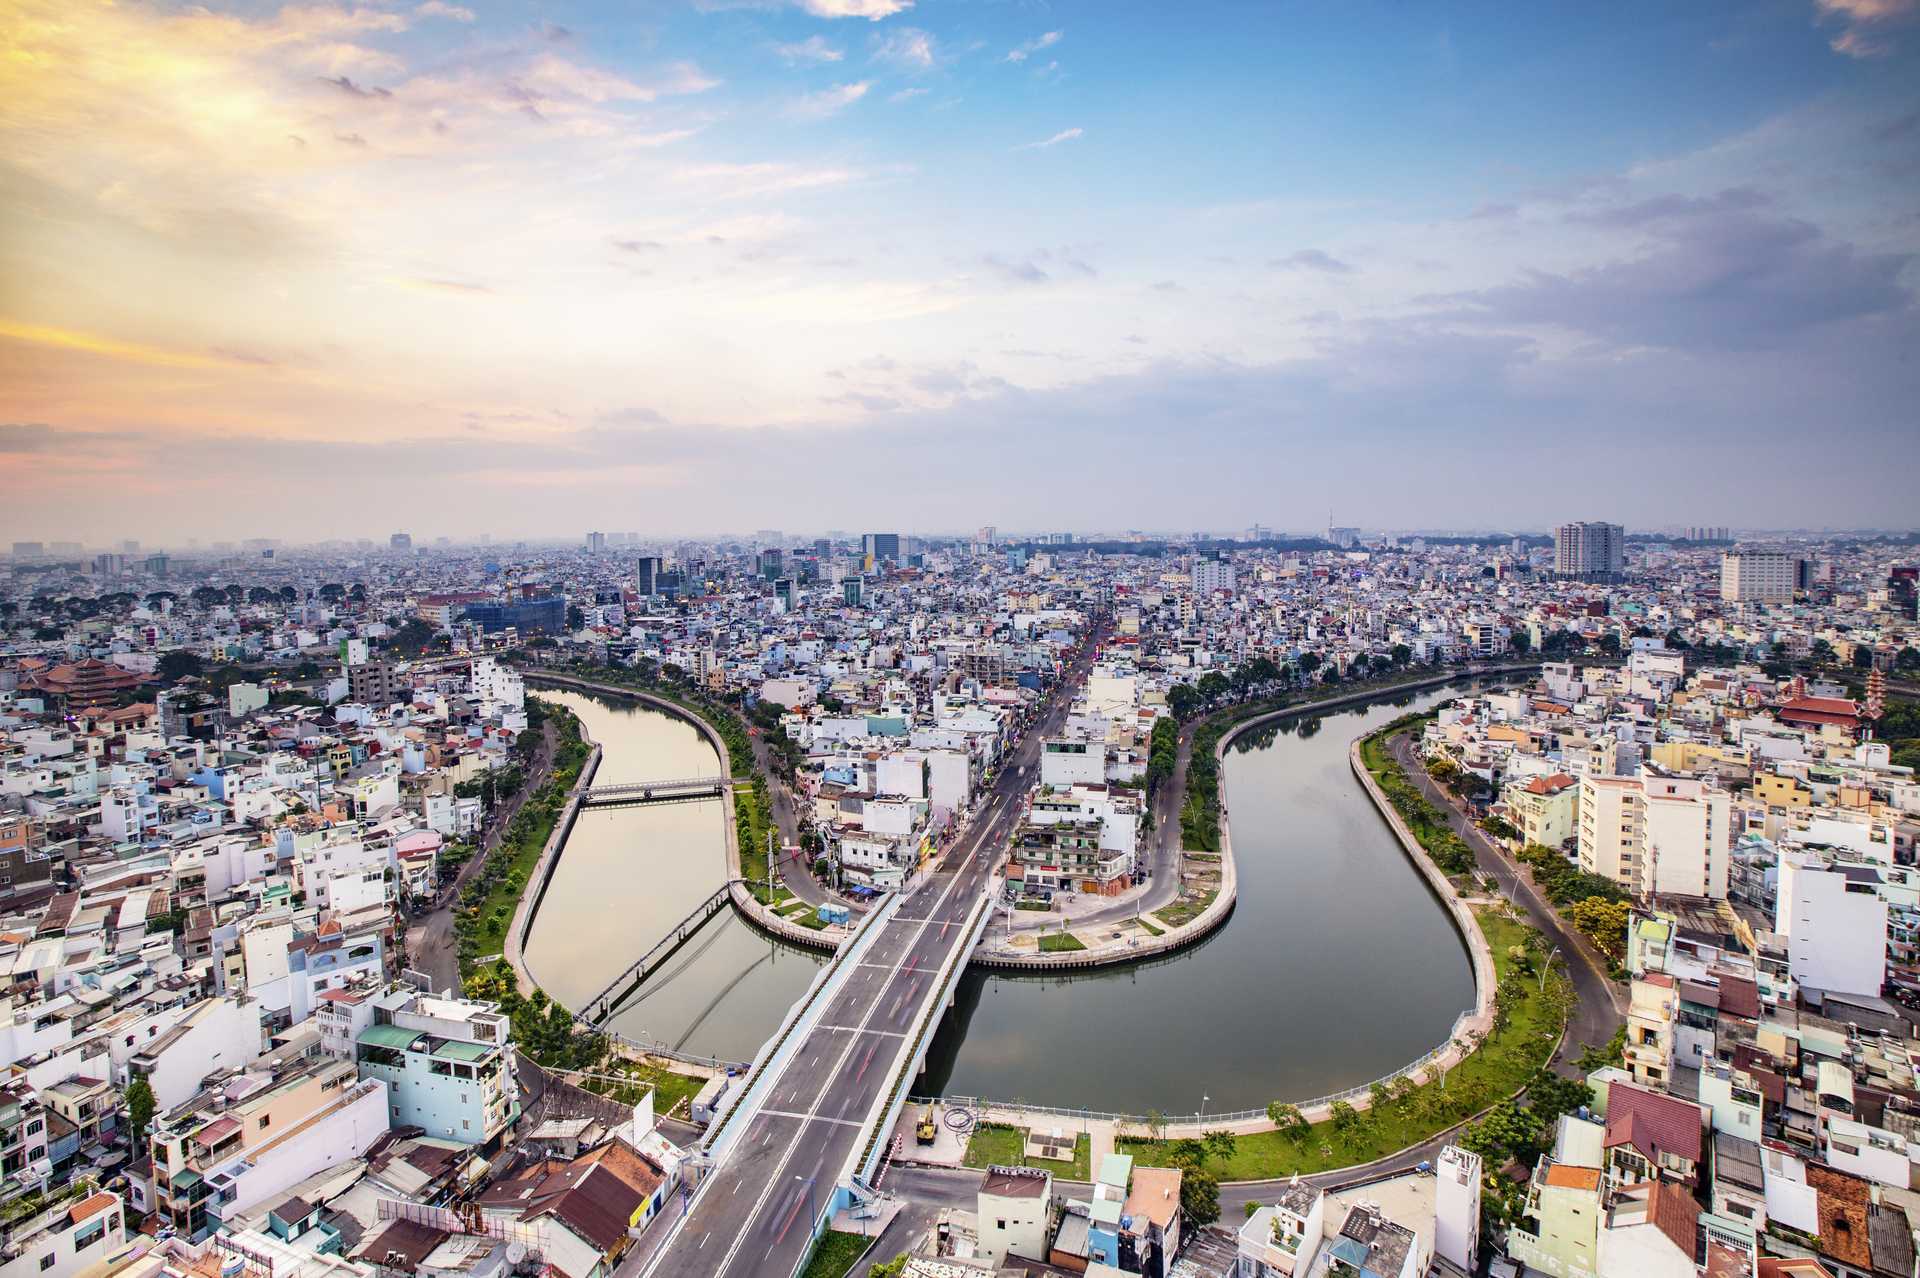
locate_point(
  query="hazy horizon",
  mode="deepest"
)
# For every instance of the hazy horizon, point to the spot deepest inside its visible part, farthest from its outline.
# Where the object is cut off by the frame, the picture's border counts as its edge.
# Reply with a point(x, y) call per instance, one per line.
point(298, 270)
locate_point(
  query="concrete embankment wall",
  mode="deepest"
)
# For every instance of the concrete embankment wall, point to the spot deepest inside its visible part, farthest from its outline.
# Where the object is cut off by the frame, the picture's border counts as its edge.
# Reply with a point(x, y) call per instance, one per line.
point(1220, 908)
point(535, 892)
point(743, 900)
point(1485, 979)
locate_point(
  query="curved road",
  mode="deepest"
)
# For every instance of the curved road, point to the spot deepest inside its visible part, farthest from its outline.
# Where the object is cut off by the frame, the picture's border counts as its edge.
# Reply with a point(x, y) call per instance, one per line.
point(430, 944)
point(1600, 1009)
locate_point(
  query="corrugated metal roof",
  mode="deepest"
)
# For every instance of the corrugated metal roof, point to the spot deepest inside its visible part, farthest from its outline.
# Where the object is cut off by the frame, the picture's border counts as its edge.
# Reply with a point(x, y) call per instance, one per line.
point(389, 1036)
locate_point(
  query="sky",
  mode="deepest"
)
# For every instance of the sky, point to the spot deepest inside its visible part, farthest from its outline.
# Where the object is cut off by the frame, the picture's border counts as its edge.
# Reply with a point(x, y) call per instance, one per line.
point(332, 269)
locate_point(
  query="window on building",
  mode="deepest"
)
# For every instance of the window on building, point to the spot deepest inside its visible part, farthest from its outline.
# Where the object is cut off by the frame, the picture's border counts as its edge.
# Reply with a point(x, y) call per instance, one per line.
point(264, 1120)
point(46, 1262)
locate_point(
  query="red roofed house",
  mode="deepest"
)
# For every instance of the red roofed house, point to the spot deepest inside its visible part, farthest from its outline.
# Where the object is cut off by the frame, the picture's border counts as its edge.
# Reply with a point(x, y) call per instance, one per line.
point(1651, 1136)
point(1652, 1231)
point(1821, 712)
point(1545, 809)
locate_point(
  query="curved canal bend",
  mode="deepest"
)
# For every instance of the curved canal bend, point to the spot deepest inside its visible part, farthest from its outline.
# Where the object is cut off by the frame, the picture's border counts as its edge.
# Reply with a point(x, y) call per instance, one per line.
point(1338, 965)
point(627, 875)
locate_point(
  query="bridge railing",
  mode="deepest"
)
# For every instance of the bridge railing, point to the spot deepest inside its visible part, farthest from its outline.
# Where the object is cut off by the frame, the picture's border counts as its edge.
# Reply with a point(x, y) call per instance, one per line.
point(894, 1097)
point(676, 936)
point(628, 787)
point(770, 1053)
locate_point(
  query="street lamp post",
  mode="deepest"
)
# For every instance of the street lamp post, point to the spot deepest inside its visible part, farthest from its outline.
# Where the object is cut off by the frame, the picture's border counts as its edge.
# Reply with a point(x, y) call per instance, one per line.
point(1203, 1109)
point(813, 1221)
point(1546, 965)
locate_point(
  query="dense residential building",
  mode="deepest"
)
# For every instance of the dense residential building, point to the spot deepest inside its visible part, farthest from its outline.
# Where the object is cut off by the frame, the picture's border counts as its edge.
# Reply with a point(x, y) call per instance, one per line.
point(1758, 576)
point(1589, 550)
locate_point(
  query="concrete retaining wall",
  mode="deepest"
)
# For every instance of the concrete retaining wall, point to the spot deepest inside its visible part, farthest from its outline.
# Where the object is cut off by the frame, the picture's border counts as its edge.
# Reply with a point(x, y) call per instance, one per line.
point(759, 915)
point(536, 890)
point(1485, 978)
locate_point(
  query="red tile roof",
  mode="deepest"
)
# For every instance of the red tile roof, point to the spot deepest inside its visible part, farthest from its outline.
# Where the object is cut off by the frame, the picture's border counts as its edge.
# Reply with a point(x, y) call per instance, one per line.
point(1677, 1215)
point(1653, 1123)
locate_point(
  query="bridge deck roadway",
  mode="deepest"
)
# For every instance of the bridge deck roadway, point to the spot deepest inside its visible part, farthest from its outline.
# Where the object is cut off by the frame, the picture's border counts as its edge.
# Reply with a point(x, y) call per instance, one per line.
point(754, 1215)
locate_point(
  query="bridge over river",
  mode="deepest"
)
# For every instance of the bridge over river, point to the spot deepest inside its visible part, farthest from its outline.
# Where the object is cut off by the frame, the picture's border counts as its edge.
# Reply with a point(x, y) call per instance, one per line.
point(809, 1124)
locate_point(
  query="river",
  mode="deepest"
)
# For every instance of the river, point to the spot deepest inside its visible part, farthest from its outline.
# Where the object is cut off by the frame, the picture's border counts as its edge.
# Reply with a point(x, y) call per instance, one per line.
point(1338, 965)
point(628, 875)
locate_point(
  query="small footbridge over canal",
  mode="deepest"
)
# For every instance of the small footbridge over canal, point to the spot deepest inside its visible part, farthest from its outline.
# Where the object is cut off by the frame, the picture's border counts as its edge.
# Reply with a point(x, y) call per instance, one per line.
point(597, 1010)
point(680, 790)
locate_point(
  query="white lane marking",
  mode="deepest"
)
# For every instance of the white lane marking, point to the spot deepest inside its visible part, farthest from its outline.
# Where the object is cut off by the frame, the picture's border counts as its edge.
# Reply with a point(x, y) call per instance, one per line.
point(780, 1169)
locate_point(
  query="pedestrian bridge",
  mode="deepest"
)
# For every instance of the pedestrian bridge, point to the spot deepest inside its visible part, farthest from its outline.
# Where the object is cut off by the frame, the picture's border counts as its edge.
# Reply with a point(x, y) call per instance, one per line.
point(679, 790)
point(595, 1011)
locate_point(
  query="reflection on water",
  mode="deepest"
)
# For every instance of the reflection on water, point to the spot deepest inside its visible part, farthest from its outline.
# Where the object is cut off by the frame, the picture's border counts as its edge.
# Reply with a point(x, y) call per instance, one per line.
point(629, 874)
point(1337, 966)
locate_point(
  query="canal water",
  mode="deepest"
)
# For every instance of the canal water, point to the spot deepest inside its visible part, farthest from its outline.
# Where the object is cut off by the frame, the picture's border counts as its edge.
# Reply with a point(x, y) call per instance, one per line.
point(628, 875)
point(1338, 965)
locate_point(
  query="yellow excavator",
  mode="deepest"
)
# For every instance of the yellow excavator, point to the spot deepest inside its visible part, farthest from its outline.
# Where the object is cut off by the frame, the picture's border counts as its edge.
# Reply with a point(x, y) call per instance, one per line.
point(923, 1133)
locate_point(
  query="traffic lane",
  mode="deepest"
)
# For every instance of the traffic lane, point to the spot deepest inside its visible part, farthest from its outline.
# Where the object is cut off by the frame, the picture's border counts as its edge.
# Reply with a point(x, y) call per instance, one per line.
point(774, 1240)
point(1596, 1014)
point(730, 1190)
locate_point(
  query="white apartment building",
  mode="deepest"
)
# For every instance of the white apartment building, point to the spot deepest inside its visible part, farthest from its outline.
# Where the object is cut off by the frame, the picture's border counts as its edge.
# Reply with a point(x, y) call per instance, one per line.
point(1014, 1208)
point(1589, 549)
point(1210, 575)
point(1067, 762)
point(1835, 922)
point(1758, 576)
point(1651, 833)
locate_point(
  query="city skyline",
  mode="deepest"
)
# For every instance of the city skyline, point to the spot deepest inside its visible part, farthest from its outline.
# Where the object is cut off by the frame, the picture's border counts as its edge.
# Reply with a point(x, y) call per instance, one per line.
point(301, 269)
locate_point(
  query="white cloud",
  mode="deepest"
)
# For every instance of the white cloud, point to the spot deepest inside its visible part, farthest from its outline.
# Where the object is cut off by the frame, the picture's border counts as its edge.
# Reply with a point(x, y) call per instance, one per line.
point(813, 49)
point(907, 49)
point(872, 10)
point(818, 106)
point(1859, 15)
point(907, 95)
point(441, 9)
point(558, 76)
point(740, 181)
point(1034, 46)
point(1064, 135)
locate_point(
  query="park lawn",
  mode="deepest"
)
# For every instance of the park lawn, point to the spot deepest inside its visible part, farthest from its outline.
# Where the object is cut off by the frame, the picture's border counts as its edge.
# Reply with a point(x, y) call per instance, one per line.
point(835, 1255)
point(1060, 943)
point(1501, 1066)
point(996, 1145)
point(1147, 926)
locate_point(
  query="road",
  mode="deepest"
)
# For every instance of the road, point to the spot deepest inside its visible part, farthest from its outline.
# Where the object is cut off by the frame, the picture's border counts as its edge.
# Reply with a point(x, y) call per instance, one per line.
point(431, 944)
point(753, 1216)
point(1599, 1011)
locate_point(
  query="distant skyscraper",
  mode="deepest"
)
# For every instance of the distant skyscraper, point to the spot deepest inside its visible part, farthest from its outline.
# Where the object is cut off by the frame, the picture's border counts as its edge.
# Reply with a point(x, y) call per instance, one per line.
point(646, 576)
point(596, 543)
point(882, 546)
point(1589, 549)
point(402, 542)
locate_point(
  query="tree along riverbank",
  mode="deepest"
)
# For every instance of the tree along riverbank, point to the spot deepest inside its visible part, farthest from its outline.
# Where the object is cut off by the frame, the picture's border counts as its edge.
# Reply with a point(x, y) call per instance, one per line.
point(1529, 1007)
